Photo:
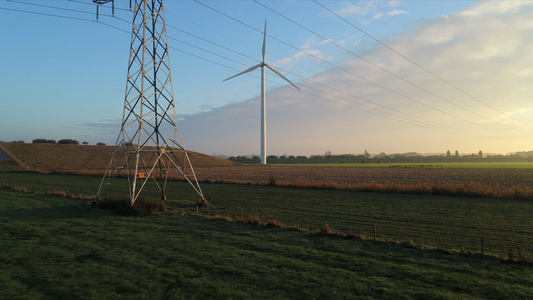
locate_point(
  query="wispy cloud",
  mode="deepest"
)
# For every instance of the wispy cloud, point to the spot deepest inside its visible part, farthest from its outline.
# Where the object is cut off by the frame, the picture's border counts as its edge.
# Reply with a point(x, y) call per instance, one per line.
point(495, 7)
point(350, 9)
point(395, 12)
point(311, 48)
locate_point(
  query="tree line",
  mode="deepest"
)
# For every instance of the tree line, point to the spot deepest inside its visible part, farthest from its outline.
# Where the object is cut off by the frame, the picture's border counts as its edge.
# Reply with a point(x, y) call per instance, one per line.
point(411, 157)
point(62, 142)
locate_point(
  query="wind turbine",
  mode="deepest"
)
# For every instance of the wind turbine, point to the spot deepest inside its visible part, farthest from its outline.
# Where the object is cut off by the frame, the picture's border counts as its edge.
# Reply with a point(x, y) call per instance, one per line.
point(262, 65)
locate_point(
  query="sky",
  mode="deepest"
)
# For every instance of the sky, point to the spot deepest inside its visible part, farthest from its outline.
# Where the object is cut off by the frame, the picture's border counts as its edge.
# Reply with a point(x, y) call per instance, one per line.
point(382, 76)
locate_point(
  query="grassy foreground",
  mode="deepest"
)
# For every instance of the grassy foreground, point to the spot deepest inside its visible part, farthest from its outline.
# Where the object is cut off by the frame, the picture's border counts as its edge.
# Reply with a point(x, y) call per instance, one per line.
point(502, 227)
point(58, 248)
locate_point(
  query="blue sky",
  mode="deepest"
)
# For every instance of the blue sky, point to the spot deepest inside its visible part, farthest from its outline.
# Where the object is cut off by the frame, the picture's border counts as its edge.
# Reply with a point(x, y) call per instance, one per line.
point(391, 76)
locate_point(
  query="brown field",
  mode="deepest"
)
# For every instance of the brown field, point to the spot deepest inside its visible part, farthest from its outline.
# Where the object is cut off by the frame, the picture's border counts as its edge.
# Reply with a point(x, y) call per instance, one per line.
point(80, 157)
point(496, 183)
point(357, 175)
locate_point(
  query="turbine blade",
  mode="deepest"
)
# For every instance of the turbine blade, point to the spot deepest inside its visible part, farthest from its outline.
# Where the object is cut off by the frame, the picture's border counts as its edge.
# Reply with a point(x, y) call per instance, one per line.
point(245, 71)
point(264, 42)
point(280, 75)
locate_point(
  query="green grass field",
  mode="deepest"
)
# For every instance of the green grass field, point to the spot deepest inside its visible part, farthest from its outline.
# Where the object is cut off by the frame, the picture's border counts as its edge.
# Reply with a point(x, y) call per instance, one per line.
point(56, 247)
point(452, 223)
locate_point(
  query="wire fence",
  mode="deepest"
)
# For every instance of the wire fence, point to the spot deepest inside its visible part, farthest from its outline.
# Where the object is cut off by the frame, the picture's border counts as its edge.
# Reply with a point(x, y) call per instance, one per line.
point(514, 245)
point(500, 243)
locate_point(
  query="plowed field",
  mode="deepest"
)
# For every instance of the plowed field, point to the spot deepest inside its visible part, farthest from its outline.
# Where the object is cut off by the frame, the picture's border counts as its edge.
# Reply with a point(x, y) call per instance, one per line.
point(357, 175)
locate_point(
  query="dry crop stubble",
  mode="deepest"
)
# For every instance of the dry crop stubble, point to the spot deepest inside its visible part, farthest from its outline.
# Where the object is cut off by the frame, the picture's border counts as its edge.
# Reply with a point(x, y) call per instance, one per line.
point(257, 174)
point(498, 183)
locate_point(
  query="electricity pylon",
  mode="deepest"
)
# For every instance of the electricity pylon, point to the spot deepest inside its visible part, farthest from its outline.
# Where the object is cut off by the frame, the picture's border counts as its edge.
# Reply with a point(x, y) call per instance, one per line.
point(149, 146)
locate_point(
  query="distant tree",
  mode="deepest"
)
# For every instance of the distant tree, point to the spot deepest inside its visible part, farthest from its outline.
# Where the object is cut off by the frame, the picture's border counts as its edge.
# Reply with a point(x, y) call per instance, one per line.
point(68, 141)
point(448, 154)
point(456, 153)
point(85, 143)
point(100, 144)
point(381, 155)
point(272, 158)
point(18, 142)
point(43, 141)
point(327, 154)
point(480, 154)
point(255, 159)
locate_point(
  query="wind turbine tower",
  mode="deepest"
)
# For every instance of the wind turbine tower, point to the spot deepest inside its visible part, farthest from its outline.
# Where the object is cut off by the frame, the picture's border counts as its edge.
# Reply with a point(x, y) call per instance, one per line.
point(148, 148)
point(262, 65)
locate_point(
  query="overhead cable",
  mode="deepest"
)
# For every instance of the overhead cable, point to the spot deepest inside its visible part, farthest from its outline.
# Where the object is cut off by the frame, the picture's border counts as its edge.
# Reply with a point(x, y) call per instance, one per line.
point(348, 71)
point(378, 66)
point(47, 14)
point(420, 66)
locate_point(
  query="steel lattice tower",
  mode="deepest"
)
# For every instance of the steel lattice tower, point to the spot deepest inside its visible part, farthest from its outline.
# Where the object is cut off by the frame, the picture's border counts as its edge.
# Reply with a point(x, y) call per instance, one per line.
point(149, 148)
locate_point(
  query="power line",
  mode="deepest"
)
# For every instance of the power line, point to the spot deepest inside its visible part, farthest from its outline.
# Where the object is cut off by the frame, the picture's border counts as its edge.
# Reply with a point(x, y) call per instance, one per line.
point(53, 7)
point(422, 68)
point(205, 50)
point(227, 37)
point(111, 26)
point(424, 123)
point(63, 9)
point(208, 41)
point(374, 64)
point(413, 119)
point(94, 4)
point(439, 51)
point(47, 14)
point(372, 103)
point(347, 71)
point(310, 94)
point(312, 56)
point(63, 16)
point(315, 82)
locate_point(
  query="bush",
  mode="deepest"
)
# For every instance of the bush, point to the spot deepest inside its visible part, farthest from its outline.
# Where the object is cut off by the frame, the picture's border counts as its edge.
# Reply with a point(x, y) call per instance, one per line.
point(253, 220)
point(222, 218)
point(326, 230)
point(272, 181)
point(122, 205)
point(274, 223)
point(43, 141)
point(68, 141)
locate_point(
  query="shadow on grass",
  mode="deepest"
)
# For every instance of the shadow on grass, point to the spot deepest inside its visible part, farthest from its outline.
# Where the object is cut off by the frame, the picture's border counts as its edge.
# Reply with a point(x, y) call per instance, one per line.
point(121, 205)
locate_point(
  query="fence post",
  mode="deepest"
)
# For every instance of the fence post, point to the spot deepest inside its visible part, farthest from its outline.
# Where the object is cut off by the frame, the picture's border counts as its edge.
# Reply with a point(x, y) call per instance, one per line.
point(197, 210)
point(375, 232)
